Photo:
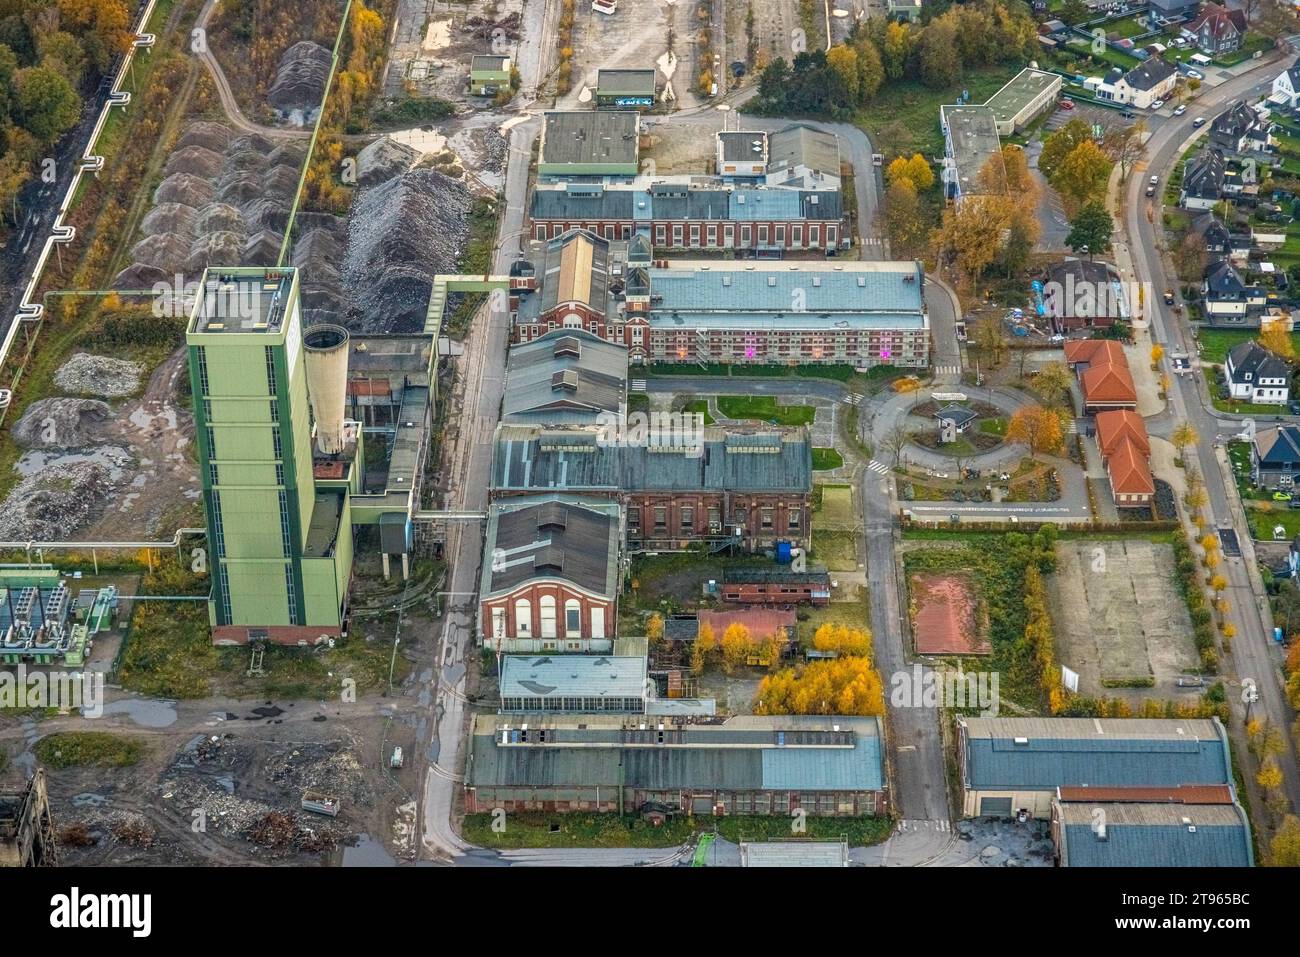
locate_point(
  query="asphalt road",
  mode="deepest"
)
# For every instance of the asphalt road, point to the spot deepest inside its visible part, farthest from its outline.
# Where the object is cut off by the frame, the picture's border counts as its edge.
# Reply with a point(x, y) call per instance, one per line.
point(1255, 655)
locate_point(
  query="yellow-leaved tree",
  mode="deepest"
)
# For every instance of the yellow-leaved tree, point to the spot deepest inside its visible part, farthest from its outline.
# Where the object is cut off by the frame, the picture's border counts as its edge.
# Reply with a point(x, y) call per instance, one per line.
point(848, 686)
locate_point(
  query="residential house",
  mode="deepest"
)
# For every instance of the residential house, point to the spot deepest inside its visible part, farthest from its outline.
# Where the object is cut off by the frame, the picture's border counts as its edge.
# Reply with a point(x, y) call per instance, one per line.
point(1152, 79)
point(1221, 242)
point(1011, 765)
point(1275, 458)
point(1183, 826)
point(1126, 453)
point(824, 766)
point(1228, 300)
point(551, 574)
point(1256, 375)
point(1216, 30)
point(1104, 377)
point(1240, 130)
point(1083, 294)
point(1286, 87)
point(1203, 180)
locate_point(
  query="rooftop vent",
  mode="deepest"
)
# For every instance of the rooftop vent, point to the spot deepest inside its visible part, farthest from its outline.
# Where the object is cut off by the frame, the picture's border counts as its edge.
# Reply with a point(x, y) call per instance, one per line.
point(568, 346)
point(565, 381)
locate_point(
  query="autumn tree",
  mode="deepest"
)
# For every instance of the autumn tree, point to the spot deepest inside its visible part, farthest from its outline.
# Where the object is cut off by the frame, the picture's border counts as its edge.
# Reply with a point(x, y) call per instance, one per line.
point(1082, 174)
point(1274, 337)
point(1053, 383)
point(706, 647)
point(736, 646)
point(843, 62)
point(1038, 428)
point(654, 629)
point(1061, 144)
point(939, 60)
point(848, 686)
point(904, 223)
point(896, 48)
point(45, 103)
point(843, 639)
point(1183, 435)
point(914, 169)
point(989, 337)
point(102, 25)
point(1125, 145)
point(971, 234)
point(871, 72)
point(1269, 776)
point(1284, 849)
point(1091, 228)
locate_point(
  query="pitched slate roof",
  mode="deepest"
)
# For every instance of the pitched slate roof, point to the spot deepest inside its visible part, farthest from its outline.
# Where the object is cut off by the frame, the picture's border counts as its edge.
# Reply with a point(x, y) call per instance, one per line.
point(1211, 229)
point(1149, 74)
point(1047, 753)
point(1222, 282)
point(1278, 446)
point(1153, 835)
point(1236, 121)
point(1222, 22)
point(1253, 359)
point(1203, 175)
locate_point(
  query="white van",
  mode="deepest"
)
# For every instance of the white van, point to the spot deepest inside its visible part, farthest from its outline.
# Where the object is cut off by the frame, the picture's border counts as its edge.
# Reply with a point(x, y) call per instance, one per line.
point(604, 6)
point(1200, 59)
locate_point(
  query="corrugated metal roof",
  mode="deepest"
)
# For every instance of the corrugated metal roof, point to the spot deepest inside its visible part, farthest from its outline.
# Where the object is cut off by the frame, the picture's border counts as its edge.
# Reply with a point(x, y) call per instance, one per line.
point(856, 288)
point(531, 394)
point(551, 536)
point(1046, 753)
point(1154, 835)
point(598, 676)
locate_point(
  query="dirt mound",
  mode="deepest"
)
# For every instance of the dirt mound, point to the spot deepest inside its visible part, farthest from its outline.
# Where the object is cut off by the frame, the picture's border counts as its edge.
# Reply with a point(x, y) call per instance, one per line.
point(194, 160)
point(210, 136)
point(401, 234)
point(61, 423)
point(56, 501)
point(169, 218)
point(300, 80)
point(383, 159)
point(184, 188)
point(86, 374)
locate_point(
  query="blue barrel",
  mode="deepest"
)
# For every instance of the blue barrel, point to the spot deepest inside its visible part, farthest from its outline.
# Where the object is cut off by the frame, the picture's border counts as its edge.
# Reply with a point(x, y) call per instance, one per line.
point(783, 552)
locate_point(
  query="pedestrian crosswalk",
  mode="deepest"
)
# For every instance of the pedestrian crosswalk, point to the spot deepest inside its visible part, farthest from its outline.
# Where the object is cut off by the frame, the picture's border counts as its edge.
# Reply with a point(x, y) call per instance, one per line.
point(880, 468)
point(853, 398)
point(871, 241)
point(638, 385)
point(947, 370)
point(1073, 427)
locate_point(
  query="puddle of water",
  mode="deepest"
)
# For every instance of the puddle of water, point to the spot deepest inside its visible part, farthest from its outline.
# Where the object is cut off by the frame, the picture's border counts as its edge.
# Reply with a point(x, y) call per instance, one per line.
point(112, 457)
point(146, 712)
point(368, 853)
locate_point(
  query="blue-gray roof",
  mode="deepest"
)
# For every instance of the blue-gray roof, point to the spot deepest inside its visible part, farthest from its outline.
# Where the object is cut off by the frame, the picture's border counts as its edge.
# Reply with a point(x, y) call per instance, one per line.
point(1154, 835)
point(789, 753)
point(1047, 753)
point(576, 201)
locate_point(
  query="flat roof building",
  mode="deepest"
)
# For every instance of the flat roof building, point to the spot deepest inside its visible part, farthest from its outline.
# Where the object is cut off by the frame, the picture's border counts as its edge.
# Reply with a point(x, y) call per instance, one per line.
point(970, 136)
point(489, 74)
point(825, 766)
point(573, 684)
point(1026, 95)
point(625, 89)
point(741, 153)
point(589, 143)
point(1007, 765)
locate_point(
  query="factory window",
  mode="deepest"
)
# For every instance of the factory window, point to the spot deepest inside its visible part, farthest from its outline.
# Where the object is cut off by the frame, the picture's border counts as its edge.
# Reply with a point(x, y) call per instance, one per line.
point(523, 618)
point(744, 235)
point(207, 410)
point(715, 518)
point(677, 234)
point(794, 518)
point(573, 618)
point(634, 517)
point(660, 235)
point(218, 526)
point(728, 235)
point(224, 591)
point(780, 235)
point(498, 623)
point(688, 518)
point(661, 517)
point(762, 235)
point(275, 411)
point(291, 592)
point(598, 623)
point(203, 369)
point(695, 234)
point(284, 522)
point(548, 616)
point(713, 234)
point(767, 517)
point(212, 474)
point(814, 235)
point(637, 336)
point(275, 441)
point(279, 474)
point(270, 370)
point(741, 517)
point(212, 443)
point(798, 236)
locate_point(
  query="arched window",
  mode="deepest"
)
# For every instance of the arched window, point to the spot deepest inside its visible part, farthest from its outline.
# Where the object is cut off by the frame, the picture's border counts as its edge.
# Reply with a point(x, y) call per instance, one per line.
point(573, 618)
point(523, 618)
point(547, 603)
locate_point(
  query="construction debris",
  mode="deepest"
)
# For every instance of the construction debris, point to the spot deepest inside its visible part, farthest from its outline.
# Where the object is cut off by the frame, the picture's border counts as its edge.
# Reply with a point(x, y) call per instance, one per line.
point(86, 374)
point(61, 423)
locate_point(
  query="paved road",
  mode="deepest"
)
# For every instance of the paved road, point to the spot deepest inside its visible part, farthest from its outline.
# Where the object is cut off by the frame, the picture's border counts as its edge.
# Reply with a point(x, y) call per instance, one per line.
point(1254, 655)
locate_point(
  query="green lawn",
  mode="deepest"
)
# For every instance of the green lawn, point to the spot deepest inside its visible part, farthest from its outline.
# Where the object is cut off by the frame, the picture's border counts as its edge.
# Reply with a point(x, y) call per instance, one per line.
point(826, 459)
point(699, 407)
point(1217, 343)
point(838, 551)
point(1263, 520)
point(764, 407)
point(77, 749)
point(905, 114)
point(994, 426)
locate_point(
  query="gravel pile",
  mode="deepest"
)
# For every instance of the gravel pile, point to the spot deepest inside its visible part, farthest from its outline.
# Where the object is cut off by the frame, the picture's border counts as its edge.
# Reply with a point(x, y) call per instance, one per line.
point(300, 81)
point(495, 148)
point(106, 377)
point(61, 423)
point(55, 502)
point(401, 234)
point(383, 159)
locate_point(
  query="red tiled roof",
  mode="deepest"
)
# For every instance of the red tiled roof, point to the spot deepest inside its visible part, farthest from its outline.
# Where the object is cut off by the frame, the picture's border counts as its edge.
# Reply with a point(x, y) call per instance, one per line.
point(1181, 794)
point(1094, 351)
point(1128, 469)
point(761, 622)
point(1116, 425)
point(1107, 378)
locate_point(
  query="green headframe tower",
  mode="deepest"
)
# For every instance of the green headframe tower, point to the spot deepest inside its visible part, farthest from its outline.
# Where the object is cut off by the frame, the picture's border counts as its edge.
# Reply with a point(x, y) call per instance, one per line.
point(277, 479)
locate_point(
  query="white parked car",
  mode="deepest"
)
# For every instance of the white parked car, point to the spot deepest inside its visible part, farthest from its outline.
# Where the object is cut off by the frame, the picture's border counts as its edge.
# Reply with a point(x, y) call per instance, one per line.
point(1182, 108)
point(1195, 75)
point(1157, 104)
point(1155, 180)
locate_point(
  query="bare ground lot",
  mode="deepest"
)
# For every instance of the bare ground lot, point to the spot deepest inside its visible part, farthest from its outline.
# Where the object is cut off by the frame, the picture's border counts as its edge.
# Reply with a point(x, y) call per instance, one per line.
point(1119, 618)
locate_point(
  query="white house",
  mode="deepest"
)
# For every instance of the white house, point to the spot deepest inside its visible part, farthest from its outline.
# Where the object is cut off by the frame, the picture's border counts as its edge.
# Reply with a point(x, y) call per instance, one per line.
point(1286, 88)
point(1256, 375)
point(1152, 79)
